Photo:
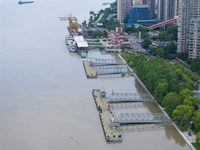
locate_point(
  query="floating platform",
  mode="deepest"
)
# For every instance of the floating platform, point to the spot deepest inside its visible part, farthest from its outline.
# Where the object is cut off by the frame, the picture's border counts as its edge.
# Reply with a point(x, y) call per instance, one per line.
point(105, 117)
point(104, 67)
point(89, 70)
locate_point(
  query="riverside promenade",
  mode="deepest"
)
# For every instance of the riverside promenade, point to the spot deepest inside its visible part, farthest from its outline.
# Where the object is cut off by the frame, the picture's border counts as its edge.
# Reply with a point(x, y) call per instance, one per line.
point(175, 126)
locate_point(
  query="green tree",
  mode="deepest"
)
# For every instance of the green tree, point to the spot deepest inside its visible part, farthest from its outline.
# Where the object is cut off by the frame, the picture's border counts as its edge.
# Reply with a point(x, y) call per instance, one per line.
point(196, 119)
point(191, 101)
point(84, 23)
point(179, 74)
point(105, 34)
point(186, 93)
point(101, 48)
point(172, 30)
point(195, 64)
point(161, 91)
point(123, 47)
point(131, 64)
point(91, 12)
point(194, 77)
point(182, 114)
point(145, 44)
point(198, 137)
point(171, 101)
point(97, 33)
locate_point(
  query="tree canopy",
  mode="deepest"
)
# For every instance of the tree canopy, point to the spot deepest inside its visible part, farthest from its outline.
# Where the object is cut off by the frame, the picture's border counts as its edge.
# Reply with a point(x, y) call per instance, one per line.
point(196, 119)
point(182, 114)
point(145, 44)
point(171, 101)
point(97, 33)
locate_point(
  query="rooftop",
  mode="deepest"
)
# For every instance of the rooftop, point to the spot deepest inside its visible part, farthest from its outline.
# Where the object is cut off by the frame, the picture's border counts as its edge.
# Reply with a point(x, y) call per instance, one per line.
point(82, 44)
point(78, 38)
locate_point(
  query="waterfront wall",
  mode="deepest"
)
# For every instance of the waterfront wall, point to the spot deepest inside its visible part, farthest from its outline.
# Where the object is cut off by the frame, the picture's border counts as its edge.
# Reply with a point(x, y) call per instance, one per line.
point(159, 106)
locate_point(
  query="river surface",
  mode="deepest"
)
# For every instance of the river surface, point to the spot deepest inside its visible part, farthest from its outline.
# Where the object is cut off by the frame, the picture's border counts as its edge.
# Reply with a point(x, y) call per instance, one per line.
point(46, 100)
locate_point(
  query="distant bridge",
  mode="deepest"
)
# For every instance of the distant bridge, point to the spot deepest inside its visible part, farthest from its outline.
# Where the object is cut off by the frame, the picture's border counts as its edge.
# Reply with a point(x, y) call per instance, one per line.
point(162, 24)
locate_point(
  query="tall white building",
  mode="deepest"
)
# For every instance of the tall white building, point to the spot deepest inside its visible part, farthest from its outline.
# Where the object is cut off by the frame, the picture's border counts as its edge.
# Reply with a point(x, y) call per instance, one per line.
point(189, 28)
point(194, 42)
point(123, 7)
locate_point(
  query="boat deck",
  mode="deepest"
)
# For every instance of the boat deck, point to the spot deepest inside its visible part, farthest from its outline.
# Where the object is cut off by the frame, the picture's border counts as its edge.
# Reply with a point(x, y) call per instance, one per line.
point(105, 116)
point(89, 70)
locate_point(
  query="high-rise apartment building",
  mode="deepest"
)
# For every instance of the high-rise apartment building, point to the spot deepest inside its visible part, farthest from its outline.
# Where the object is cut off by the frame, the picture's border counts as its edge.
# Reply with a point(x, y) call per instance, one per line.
point(166, 9)
point(152, 5)
point(189, 28)
point(194, 42)
point(123, 7)
point(176, 7)
point(137, 2)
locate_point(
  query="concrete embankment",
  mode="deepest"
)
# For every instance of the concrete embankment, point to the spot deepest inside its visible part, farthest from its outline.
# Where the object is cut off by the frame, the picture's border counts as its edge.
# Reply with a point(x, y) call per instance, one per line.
point(175, 126)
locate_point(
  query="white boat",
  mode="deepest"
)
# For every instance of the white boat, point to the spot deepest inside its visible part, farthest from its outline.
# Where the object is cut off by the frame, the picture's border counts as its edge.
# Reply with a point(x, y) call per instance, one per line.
point(68, 40)
point(73, 46)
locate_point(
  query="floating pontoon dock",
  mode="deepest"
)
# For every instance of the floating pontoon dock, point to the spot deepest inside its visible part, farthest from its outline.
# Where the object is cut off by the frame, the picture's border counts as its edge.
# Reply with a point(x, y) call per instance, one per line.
point(104, 67)
point(111, 134)
point(111, 124)
point(89, 69)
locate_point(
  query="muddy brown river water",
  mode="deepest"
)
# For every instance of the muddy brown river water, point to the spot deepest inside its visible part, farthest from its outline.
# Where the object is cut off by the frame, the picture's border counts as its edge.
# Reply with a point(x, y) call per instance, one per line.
point(46, 100)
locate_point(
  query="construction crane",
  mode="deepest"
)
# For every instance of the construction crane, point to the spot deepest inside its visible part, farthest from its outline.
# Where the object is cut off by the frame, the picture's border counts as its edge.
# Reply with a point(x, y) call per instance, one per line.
point(73, 22)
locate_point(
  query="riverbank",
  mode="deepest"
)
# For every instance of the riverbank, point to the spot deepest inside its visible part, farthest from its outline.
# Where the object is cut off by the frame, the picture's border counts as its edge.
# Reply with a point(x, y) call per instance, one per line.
point(160, 107)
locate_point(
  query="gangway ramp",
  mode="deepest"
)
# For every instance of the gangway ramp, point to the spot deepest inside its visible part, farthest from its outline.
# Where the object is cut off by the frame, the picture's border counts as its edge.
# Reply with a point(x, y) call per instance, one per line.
point(117, 69)
point(104, 62)
point(142, 118)
point(129, 97)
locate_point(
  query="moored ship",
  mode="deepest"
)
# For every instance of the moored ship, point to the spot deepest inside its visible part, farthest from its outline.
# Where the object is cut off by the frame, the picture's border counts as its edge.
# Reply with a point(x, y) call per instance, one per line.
point(73, 46)
point(25, 2)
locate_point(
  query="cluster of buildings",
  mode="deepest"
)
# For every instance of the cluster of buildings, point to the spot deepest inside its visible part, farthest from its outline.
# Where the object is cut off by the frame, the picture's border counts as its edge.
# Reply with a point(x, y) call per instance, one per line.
point(138, 13)
point(188, 12)
point(164, 9)
point(119, 38)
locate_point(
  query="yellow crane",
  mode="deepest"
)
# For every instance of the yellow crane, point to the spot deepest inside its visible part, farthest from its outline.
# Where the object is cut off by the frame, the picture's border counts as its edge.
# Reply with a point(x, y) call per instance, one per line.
point(73, 22)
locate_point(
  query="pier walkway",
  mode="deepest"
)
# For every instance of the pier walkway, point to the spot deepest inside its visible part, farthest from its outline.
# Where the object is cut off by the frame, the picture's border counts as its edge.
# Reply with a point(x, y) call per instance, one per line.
point(142, 118)
point(103, 62)
point(129, 97)
point(117, 69)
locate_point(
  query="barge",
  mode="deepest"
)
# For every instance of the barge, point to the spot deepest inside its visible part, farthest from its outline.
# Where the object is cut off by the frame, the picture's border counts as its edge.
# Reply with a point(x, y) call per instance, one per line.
point(25, 2)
